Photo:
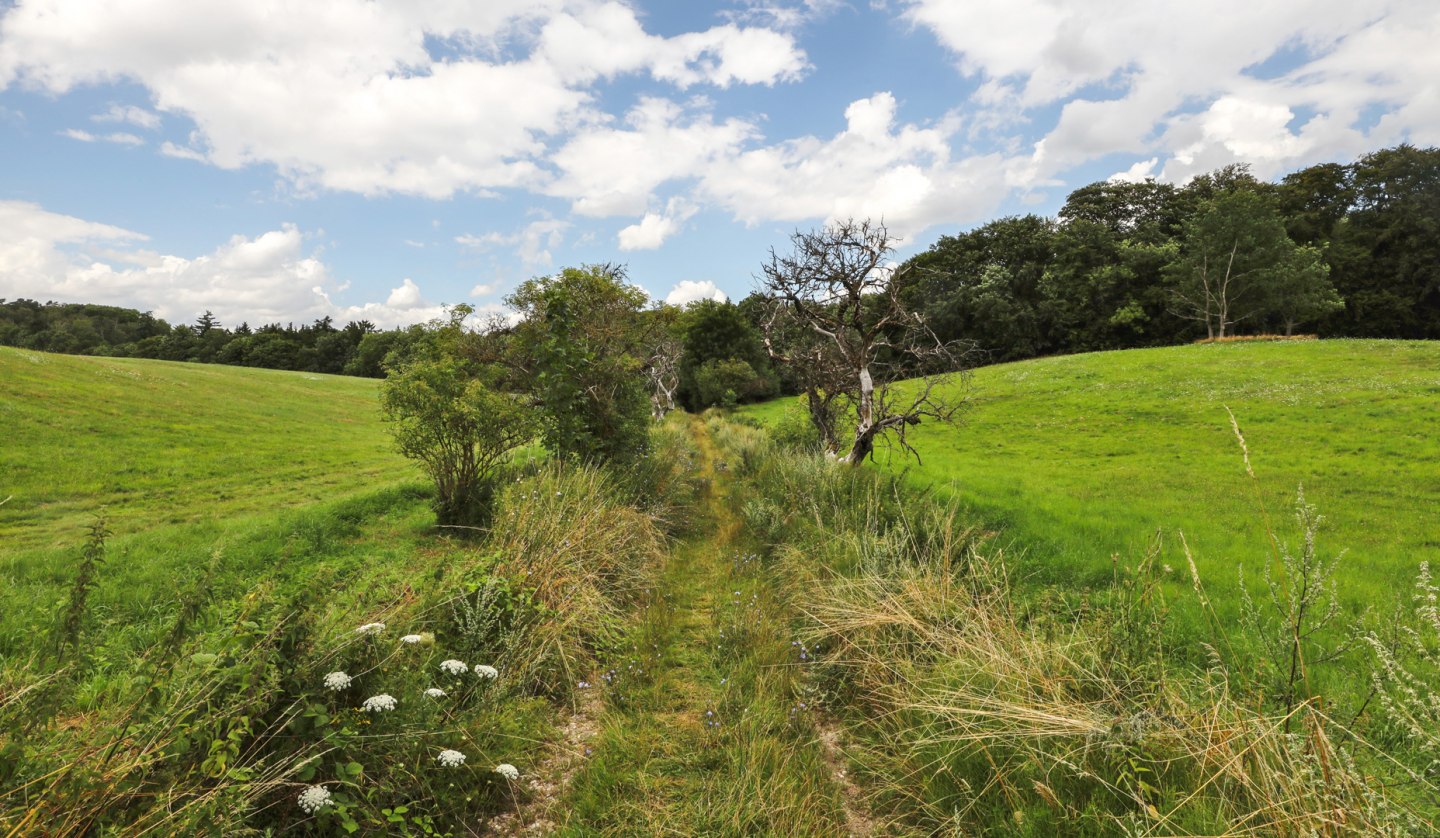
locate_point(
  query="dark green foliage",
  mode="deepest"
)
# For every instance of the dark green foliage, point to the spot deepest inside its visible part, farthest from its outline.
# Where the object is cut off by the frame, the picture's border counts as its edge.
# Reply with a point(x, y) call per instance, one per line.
point(1105, 273)
point(84, 329)
point(986, 286)
point(1386, 251)
point(582, 336)
point(1237, 266)
point(721, 342)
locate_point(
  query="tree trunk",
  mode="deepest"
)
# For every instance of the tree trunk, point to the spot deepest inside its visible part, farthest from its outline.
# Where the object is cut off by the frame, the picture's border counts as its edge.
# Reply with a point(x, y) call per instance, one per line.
point(865, 428)
point(821, 418)
point(864, 444)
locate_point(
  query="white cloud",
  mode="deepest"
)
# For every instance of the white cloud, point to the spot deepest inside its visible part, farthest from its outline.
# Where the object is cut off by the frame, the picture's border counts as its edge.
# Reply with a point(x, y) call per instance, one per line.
point(615, 171)
point(484, 289)
point(656, 227)
point(690, 290)
point(271, 277)
point(346, 96)
point(169, 149)
point(875, 168)
point(532, 242)
point(118, 137)
point(1188, 79)
point(129, 114)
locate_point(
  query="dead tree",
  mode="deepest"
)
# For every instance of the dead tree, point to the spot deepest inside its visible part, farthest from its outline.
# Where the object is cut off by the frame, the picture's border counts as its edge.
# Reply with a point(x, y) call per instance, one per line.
point(841, 286)
point(814, 365)
point(662, 370)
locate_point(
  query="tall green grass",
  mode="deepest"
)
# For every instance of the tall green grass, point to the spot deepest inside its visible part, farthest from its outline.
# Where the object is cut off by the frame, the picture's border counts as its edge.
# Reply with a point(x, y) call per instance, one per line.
point(977, 707)
point(181, 689)
point(1077, 459)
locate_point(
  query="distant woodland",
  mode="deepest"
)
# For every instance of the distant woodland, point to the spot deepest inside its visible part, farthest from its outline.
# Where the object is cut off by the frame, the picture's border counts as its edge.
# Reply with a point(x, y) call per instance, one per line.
point(1338, 250)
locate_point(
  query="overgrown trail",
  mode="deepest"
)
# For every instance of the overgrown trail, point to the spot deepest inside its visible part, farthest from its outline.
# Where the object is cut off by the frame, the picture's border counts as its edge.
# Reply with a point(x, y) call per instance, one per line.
point(705, 727)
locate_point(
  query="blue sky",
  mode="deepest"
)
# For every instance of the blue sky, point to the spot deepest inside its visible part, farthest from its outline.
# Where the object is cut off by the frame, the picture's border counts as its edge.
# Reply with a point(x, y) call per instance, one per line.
point(279, 161)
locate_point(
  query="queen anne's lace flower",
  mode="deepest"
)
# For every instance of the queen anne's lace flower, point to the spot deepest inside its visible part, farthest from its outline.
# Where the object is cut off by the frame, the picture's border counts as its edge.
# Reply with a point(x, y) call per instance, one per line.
point(453, 667)
point(435, 692)
point(370, 628)
point(379, 703)
point(450, 758)
point(507, 771)
point(337, 681)
point(314, 798)
point(411, 639)
point(488, 673)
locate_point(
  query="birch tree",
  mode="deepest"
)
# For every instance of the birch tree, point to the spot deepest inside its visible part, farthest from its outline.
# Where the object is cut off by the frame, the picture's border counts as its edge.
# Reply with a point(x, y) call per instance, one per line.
point(841, 287)
point(1237, 261)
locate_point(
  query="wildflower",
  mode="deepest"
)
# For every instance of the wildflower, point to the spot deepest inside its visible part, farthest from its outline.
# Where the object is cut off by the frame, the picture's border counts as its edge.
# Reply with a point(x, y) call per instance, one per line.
point(450, 758)
point(435, 692)
point(379, 703)
point(370, 628)
point(411, 639)
point(315, 798)
point(507, 771)
point(337, 681)
point(453, 667)
point(584, 685)
point(487, 673)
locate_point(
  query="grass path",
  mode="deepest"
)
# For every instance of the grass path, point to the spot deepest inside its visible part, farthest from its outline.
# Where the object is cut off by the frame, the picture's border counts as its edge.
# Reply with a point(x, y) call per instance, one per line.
point(704, 725)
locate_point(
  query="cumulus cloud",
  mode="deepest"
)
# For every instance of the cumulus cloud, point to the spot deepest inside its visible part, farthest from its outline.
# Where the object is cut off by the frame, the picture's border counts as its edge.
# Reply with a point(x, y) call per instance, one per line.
point(1191, 80)
point(347, 94)
point(875, 168)
point(270, 277)
point(656, 227)
point(609, 170)
point(690, 290)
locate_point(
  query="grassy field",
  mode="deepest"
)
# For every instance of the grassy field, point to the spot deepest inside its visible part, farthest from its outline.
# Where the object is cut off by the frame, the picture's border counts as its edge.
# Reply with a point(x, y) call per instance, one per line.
point(1077, 458)
point(184, 460)
point(157, 443)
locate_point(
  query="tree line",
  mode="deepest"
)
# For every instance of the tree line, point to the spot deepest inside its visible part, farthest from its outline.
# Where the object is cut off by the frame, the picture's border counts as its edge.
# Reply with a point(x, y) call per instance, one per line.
point(357, 348)
point(1335, 249)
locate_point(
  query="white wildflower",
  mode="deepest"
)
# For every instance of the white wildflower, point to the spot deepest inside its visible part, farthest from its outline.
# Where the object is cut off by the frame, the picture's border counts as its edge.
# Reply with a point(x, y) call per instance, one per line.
point(488, 673)
point(379, 703)
point(450, 758)
point(453, 667)
point(315, 798)
point(411, 639)
point(435, 692)
point(370, 628)
point(507, 771)
point(337, 681)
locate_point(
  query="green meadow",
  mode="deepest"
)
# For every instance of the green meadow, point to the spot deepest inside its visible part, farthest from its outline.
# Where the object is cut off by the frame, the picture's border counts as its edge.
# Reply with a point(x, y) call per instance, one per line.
point(1075, 459)
point(157, 443)
point(184, 461)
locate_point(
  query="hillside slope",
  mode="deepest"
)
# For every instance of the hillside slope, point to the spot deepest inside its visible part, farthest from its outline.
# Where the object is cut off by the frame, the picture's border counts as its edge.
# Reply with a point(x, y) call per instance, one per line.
point(156, 442)
point(1077, 458)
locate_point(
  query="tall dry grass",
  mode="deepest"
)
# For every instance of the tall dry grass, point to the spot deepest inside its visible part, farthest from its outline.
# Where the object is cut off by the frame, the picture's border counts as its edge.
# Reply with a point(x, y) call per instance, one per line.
point(977, 710)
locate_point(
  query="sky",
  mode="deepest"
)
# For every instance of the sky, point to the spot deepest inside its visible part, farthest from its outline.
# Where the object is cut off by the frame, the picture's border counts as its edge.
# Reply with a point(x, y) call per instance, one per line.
point(366, 159)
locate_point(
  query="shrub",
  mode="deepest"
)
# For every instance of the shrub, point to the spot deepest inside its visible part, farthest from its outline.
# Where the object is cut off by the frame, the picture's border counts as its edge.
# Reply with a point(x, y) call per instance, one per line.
point(444, 412)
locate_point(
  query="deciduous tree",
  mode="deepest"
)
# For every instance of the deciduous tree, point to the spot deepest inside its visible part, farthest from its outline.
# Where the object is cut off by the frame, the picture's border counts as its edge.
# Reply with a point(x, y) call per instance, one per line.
point(840, 283)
